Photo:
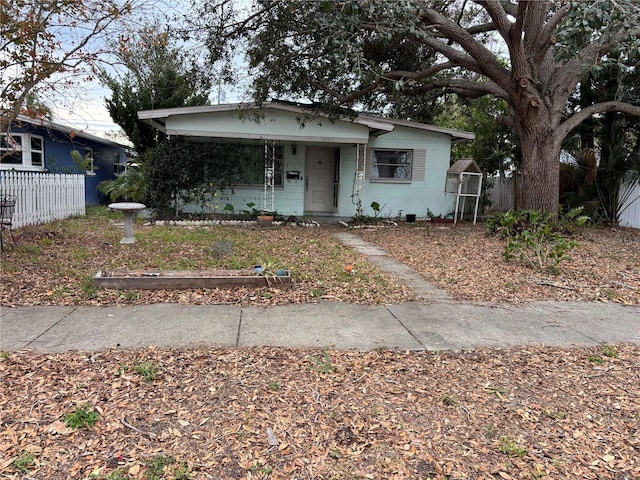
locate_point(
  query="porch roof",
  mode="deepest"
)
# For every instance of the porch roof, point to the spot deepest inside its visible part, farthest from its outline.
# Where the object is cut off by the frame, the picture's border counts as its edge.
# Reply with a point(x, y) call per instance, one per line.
point(220, 121)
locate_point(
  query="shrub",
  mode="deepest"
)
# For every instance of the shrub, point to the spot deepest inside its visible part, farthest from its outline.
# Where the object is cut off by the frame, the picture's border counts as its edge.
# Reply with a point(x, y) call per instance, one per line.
point(534, 237)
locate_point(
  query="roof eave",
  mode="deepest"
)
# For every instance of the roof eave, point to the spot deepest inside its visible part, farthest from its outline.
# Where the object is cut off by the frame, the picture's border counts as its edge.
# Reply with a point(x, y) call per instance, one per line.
point(68, 130)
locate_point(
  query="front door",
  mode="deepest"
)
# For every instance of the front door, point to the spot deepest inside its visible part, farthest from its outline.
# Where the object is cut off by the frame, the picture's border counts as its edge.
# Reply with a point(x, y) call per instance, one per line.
point(319, 180)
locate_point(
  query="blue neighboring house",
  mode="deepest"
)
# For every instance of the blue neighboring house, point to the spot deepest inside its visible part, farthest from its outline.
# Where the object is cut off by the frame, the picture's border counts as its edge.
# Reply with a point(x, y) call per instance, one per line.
point(37, 145)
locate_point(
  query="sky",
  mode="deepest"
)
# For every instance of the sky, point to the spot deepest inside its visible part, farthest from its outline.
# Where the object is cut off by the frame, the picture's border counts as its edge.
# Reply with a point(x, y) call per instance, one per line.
point(83, 106)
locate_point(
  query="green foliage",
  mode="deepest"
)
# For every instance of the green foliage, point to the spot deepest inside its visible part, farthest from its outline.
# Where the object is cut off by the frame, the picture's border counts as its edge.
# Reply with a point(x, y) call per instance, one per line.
point(147, 370)
point(322, 364)
point(82, 416)
point(533, 237)
point(609, 351)
point(259, 468)
point(509, 446)
point(163, 467)
point(273, 386)
point(495, 146)
point(497, 391)
point(375, 206)
point(118, 474)
point(449, 400)
point(179, 171)
point(84, 163)
point(24, 463)
point(88, 287)
point(128, 186)
point(383, 53)
point(158, 75)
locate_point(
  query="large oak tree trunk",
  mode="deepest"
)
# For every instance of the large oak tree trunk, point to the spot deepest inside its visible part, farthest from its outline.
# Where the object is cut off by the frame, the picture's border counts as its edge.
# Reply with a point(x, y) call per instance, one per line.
point(540, 146)
point(540, 172)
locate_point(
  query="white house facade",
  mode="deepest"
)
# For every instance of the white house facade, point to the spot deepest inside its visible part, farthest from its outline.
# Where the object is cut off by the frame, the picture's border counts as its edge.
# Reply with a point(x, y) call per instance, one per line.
point(312, 165)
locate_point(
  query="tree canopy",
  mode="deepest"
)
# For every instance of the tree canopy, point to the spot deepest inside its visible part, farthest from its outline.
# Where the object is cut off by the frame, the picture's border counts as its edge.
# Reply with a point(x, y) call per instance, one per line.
point(531, 54)
point(156, 74)
point(47, 47)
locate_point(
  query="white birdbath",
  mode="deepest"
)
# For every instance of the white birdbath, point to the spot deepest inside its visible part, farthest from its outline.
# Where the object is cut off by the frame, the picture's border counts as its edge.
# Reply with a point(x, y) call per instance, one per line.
point(130, 210)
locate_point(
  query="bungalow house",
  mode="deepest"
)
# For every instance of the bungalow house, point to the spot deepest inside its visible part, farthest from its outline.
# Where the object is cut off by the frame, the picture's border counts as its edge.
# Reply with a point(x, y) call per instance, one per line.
point(308, 164)
point(37, 145)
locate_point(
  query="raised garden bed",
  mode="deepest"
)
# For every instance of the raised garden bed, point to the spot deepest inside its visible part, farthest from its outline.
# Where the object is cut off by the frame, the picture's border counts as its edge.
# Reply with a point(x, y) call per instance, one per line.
point(186, 279)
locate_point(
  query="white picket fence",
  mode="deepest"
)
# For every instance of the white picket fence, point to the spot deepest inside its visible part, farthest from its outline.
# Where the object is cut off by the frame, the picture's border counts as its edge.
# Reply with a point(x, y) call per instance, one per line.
point(43, 197)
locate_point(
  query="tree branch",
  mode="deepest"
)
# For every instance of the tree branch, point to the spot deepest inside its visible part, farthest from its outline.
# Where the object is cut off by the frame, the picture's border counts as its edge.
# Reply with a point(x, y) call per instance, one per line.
point(479, 58)
point(498, 15)
point(577, 118)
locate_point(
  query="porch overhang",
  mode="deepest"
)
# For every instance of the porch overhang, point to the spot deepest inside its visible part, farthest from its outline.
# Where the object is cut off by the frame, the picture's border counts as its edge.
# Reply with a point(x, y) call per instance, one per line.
point(277, 121)
point(267, 137)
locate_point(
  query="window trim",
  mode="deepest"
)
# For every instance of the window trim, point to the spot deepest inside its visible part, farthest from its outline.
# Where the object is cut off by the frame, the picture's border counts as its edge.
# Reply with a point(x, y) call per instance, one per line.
point(26, 151)
point(378, 179)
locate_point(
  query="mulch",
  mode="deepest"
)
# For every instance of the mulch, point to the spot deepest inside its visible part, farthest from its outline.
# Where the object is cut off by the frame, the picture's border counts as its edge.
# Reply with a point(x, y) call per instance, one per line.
point(521, 413)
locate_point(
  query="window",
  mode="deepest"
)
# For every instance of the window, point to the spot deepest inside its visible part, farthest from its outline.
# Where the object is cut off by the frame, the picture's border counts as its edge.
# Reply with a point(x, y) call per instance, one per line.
point(37, 152)
point(118, 168)
point(252, 158)
point(21, 150)
point(88, 155)
point(391, 164)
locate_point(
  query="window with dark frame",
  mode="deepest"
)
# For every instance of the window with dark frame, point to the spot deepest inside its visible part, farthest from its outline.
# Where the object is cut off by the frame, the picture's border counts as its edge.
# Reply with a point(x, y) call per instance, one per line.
point(253, 165)
point(391, 164)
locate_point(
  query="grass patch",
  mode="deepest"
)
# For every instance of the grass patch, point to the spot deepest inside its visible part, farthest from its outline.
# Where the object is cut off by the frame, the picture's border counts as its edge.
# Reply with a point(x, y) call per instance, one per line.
point(75, 249)
point(322, 363)
point(596, 359)
point(510, 447)
point(162, 467)
point(147, 370)
point(24, 463)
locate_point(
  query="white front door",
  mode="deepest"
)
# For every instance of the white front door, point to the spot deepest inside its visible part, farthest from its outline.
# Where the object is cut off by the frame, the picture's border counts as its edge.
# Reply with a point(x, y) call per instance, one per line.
point(319, 179)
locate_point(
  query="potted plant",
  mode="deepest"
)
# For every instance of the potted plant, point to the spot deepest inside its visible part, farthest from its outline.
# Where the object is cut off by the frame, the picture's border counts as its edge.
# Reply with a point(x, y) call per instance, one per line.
point(265, 219)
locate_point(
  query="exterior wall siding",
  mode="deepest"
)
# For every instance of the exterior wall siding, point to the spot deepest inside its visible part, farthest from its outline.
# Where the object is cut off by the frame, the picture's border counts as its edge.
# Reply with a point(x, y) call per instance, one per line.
point(426, 189)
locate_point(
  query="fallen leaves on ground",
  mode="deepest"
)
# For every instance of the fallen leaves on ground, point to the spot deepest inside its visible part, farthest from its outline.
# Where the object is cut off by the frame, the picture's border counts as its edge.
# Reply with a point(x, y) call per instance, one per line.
point(461, 259)
point(520, 413)
point(53, 265)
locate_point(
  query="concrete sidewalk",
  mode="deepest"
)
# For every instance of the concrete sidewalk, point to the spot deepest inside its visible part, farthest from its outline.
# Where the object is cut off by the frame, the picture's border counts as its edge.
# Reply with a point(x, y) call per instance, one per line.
point(412, 326)
point(433, 322)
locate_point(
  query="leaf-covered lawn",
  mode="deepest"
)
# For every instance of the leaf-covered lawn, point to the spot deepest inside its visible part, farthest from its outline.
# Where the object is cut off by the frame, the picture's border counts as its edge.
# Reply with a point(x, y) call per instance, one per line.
point(605, 265)
point(53, 264)
point(522, 413)
point(263, 413)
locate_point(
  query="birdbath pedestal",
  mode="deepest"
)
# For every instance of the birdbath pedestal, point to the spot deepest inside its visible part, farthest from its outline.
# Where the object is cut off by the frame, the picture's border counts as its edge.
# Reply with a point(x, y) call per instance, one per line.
point(130, 210)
